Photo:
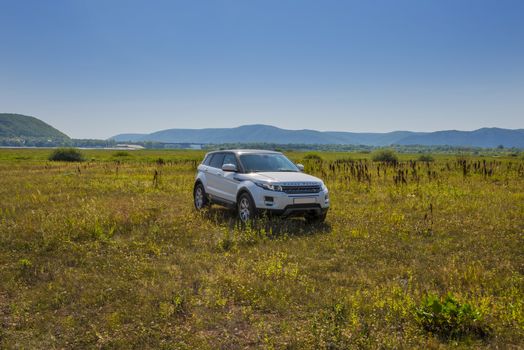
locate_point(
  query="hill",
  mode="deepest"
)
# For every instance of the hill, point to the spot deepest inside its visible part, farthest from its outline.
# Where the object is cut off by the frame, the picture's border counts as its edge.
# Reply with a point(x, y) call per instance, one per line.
point(25, 127)
point(486, 137)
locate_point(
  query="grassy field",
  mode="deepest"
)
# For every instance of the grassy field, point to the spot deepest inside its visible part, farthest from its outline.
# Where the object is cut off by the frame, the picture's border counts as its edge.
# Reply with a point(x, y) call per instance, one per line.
point(106, 254)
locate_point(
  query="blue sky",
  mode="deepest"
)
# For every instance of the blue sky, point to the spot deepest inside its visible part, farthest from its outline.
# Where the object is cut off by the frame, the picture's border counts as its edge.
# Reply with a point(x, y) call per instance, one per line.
point(97, 68)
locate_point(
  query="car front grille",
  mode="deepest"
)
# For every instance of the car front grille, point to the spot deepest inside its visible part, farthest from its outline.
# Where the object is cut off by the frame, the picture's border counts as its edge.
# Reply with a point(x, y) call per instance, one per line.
point(301, 189)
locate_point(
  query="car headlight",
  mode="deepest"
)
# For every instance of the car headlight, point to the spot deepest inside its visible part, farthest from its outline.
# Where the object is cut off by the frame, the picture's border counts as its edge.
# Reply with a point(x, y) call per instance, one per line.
point(269, 187)
point(324, 188)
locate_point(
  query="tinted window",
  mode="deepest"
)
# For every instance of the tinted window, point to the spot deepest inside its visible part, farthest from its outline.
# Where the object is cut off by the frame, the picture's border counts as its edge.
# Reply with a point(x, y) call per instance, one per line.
point(207, 159)
point(230, 158)
point(216, 160)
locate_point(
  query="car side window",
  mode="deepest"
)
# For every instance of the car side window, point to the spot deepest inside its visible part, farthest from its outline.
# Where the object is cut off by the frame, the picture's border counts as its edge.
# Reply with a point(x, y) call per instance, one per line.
point(207, 159)
point(217, 160)
point(230, 158)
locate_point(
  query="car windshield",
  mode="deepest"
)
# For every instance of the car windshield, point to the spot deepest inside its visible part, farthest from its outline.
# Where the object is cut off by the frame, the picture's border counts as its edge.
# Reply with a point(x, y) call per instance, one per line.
point(266, 163)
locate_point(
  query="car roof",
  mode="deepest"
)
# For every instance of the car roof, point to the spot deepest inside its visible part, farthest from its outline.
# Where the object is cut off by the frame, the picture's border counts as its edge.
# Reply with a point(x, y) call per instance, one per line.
point(246, 151)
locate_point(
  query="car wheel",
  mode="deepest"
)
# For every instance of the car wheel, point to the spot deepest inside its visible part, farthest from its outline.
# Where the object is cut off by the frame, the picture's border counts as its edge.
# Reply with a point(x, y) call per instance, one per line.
point(246, 208)
point(200, 197)
point(316, 219)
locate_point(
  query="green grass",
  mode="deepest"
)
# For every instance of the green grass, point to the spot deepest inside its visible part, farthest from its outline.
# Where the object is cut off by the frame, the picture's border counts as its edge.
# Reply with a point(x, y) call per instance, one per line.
point(98, 254)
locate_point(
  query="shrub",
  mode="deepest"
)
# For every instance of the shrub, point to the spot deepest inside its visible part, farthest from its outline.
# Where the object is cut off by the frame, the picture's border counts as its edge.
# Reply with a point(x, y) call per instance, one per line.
point(448, 318)
point(67, 155)
point(385, 155)
point(426, 158)
point(313, 156)
point(121, 154)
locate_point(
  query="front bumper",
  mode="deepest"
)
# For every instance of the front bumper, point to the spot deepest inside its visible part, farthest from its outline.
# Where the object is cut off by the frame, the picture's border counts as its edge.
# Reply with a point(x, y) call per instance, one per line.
point(281, 203)
point(299, 210)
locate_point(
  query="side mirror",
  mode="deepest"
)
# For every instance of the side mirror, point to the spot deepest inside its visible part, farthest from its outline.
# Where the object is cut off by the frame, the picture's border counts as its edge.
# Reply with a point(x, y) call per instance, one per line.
point(229, 167)
point(300, 167)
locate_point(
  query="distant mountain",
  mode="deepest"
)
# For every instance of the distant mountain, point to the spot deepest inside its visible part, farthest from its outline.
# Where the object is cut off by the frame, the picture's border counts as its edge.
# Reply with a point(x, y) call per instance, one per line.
point(129, 137)
point(486, 137)
point(25, 127)
point(263, 134)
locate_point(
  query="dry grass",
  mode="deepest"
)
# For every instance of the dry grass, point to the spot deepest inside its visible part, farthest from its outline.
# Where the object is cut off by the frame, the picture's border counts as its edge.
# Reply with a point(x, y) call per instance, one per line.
point(103, 254)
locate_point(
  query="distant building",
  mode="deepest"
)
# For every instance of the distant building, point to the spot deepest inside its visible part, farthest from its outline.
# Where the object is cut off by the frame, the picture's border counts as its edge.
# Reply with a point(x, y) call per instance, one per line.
point(128, 146)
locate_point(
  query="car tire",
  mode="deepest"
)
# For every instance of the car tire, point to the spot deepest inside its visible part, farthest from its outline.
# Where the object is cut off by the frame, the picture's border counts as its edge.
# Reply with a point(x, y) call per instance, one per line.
point(200, 197)
point(316, 219)
point(246, 208)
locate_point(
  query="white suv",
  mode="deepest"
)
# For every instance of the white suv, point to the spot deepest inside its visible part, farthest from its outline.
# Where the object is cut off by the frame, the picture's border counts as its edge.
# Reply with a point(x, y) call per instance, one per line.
point(253, 181)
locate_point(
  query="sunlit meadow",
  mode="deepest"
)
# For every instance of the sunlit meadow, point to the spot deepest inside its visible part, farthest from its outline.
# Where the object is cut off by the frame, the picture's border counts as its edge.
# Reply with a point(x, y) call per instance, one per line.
point(110, 253)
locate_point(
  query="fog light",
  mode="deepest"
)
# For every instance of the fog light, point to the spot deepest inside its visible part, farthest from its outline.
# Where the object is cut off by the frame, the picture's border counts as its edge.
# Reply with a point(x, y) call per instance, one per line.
point(268, 199)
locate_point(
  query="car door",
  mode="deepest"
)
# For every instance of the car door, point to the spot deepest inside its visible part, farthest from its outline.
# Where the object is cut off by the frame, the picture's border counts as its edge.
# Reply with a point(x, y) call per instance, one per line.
point(226, 184)
point(214, 174)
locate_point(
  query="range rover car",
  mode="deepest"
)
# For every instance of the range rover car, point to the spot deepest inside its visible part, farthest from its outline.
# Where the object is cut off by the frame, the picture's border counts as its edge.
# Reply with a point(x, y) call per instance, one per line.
point(256, 181)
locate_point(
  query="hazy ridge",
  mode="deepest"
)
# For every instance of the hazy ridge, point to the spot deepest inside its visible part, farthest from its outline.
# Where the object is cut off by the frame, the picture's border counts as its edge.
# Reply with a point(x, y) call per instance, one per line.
point(17, 126)
point(485, 137)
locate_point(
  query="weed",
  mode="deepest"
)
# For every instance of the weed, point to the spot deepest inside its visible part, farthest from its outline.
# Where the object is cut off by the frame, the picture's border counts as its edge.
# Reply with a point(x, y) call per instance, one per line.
point(328, 327)
point(450, 319)
point(177, 305)
point(25, 264)
point(26, 270)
